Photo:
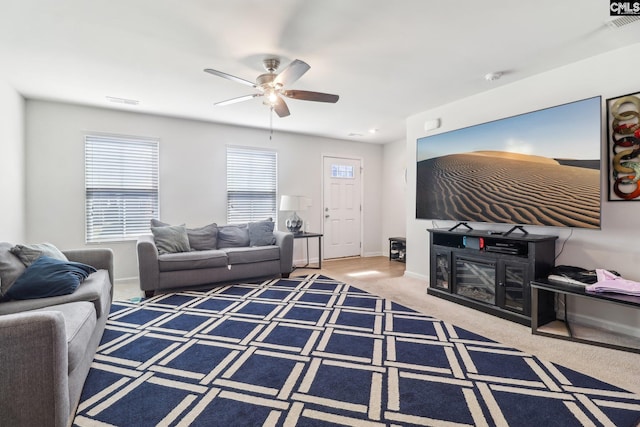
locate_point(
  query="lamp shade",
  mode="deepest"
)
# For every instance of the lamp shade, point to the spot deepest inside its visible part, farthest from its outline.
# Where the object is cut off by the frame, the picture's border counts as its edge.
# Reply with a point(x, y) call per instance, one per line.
point(294, 203)
point(289, 203)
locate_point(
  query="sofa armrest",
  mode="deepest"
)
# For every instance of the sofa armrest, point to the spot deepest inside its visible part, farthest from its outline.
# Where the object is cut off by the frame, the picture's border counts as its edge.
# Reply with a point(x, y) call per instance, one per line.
point(99, 258)
point(33, 369)
point(284, 239)
point(148, 267)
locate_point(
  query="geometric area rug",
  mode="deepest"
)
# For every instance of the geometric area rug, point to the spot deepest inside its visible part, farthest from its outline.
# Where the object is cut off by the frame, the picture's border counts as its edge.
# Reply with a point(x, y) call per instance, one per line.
point(313, 351)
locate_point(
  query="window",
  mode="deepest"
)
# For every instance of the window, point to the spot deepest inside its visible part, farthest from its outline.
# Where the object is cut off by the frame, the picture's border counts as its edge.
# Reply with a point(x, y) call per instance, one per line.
point(252, 184)
point(121, 186)
point(341, 171)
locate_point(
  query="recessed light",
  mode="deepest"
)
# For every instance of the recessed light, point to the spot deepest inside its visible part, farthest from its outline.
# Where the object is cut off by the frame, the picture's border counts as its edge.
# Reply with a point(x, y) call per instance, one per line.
point(122, 100)
point(492, 76)
point(373, 130)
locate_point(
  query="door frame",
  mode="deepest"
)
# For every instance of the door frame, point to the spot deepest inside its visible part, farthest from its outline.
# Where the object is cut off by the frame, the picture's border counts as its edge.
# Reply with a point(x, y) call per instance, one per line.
point(361, 161)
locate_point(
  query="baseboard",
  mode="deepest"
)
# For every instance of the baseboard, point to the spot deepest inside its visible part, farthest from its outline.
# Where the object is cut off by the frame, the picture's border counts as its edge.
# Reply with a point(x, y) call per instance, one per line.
point(371, 254)
point(302, 261)
point(126, 280)
point(603, 324)
point(416, 276)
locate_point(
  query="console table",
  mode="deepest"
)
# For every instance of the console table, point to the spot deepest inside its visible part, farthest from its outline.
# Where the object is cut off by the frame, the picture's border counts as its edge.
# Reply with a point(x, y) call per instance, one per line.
point(491, 271)
point(305, 235)
point(563, 329)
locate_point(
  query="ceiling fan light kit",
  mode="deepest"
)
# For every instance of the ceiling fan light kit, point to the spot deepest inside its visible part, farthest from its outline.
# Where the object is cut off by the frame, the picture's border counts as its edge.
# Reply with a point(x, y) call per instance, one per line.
point(273, 86)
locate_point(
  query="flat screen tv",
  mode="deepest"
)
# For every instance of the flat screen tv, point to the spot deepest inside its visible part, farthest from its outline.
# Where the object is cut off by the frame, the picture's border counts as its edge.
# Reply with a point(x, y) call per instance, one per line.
point(540, 168)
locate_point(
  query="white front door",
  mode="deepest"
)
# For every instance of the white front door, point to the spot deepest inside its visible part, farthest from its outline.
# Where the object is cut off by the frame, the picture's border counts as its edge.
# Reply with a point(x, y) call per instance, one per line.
point(342, 207)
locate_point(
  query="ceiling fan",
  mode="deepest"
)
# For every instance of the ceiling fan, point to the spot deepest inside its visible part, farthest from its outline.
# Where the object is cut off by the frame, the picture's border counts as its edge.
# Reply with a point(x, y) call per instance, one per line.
point(275, 86)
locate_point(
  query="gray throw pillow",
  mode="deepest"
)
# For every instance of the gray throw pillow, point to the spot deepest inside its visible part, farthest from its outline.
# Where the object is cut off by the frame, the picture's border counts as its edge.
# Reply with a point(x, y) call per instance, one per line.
point(10, 267)
point(261, 233)
point(29, 253)
point(203, 238)
point(200, 239)
point(233, 236)
point(171, 239)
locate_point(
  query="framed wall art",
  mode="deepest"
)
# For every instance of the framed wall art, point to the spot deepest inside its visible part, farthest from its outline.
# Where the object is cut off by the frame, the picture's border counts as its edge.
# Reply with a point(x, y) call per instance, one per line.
point(623, 136)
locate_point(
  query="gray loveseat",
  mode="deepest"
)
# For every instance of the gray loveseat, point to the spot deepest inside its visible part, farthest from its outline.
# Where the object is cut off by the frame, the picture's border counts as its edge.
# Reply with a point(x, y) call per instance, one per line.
point(47, 345)
point(212, 254)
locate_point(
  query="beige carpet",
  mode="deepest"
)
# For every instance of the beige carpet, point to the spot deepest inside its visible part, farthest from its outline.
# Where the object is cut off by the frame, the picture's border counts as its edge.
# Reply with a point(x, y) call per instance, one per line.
point(616, 367)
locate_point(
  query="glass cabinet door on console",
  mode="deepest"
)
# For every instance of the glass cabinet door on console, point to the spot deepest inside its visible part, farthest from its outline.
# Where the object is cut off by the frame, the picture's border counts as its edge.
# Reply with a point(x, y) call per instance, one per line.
point(441, 275)
point(513, 286)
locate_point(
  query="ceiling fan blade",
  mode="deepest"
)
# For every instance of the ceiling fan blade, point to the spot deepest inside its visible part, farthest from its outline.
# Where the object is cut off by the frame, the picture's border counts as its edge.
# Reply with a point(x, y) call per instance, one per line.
point(229, 77)
point(306, 95)
point(281, 108)
point(291, 73)
point(238, 99)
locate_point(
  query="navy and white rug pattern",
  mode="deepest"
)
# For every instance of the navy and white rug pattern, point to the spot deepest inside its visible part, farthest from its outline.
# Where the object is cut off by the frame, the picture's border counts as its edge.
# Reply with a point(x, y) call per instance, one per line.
point(312, 351)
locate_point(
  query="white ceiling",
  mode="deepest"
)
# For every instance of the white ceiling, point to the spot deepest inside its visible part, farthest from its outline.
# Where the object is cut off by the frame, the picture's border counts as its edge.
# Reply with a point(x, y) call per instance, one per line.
point(386, 59)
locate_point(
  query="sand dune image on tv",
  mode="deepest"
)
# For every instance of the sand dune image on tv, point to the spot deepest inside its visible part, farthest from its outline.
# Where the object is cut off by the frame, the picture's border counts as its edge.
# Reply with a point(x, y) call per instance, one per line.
point(505, 187)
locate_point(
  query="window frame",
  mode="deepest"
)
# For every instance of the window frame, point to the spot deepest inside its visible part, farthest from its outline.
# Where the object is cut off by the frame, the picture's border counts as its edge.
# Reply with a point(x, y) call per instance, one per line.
point(139, 189)
point(250, 156)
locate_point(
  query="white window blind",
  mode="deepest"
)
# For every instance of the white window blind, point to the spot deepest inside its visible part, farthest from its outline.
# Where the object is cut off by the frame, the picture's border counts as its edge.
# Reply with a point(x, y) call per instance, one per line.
point(252, 184)
point(121, 185)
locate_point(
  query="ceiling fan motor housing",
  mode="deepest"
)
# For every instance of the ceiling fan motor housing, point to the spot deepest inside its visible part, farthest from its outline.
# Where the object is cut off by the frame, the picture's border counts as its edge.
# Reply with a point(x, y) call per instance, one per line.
point(265, 81)
point(271, 64)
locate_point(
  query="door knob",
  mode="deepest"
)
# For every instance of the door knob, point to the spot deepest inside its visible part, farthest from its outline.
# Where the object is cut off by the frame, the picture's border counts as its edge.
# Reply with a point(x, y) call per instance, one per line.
point(326, 216)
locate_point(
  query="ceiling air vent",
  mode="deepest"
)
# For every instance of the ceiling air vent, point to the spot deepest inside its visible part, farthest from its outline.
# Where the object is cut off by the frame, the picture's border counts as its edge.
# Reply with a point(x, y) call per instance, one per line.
point(622, 21)
point(122, 100)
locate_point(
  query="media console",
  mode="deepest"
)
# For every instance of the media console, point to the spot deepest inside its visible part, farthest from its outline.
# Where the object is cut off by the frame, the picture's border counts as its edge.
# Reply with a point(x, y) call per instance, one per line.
point(491, 271)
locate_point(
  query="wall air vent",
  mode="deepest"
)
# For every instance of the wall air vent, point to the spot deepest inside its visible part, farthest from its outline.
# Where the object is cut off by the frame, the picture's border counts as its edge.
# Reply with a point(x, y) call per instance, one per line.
point(622, 21)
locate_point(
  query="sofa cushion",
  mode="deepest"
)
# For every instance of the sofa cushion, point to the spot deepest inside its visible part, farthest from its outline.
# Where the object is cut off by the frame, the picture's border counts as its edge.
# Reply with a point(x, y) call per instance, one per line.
point(192, 260)
point(10, 267)
point(171, 239)
point(29, 253)
point(261, 233)
point(80, 323)
point(252, 254)
point(233, 236)
point(49, 277)
point(200, 239)
point(95, 289)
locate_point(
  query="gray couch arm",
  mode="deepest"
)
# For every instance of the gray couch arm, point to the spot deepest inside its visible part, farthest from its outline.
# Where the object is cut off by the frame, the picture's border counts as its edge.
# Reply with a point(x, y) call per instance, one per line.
point(284, 239)
point(33, 369)
point(99, 258)
point(148, 266)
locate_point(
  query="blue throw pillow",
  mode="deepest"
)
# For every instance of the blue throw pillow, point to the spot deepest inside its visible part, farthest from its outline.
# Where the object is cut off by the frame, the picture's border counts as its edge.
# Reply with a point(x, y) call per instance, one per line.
point(49, 277)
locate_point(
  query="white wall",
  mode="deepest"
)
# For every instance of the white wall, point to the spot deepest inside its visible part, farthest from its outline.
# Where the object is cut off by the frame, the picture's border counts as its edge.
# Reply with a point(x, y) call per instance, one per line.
point(192, 172)
point(615, 246)
point(394, 187)
point(12, 207)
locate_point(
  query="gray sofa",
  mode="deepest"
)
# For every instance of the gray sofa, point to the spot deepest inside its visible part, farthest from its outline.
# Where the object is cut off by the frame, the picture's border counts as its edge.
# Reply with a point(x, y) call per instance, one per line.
point(234, 258)
point(47, 346)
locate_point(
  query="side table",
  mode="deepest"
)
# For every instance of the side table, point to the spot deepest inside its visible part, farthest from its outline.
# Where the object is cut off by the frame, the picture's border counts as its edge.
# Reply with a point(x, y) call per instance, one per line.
point(306, 235)
point(581, 333)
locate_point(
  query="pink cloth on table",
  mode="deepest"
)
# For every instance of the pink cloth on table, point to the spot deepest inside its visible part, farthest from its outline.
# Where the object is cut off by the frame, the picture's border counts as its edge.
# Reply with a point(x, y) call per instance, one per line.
point(609, 282)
